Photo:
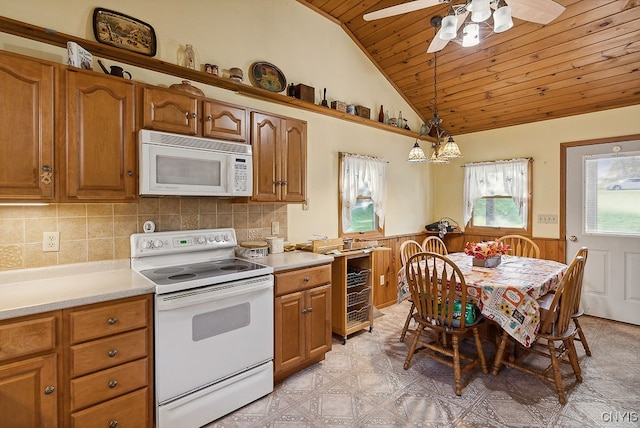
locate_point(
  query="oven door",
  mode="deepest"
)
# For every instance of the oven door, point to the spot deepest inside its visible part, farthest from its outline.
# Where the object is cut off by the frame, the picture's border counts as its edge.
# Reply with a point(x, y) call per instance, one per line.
point(208, 334)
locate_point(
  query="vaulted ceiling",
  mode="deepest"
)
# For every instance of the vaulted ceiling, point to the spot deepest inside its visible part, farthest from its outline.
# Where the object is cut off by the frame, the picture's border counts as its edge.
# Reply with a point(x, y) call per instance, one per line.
point(586, 60)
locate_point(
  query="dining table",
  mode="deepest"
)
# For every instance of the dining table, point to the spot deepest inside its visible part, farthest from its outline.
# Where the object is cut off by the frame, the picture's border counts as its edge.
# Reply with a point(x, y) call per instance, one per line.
point(507, 293)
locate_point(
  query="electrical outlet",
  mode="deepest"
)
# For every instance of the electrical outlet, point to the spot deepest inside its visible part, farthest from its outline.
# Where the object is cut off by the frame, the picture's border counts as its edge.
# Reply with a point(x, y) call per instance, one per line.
point(51, 241)
point(275, 227)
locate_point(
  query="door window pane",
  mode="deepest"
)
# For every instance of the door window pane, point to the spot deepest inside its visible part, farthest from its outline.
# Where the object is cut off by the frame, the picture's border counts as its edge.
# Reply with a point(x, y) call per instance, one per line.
point(612, 194)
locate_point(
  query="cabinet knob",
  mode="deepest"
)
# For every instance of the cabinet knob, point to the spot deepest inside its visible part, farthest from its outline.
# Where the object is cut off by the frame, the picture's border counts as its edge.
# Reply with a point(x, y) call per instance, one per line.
point(130, 173)
point(192, 115)
point(309, 309)
point(209, 118)
point(304, 311)
point(306, 279)
point(49, 390)
point(113, 383)
point(284, 183)
point(112, 353)
point(112, 321)
point(113, 424)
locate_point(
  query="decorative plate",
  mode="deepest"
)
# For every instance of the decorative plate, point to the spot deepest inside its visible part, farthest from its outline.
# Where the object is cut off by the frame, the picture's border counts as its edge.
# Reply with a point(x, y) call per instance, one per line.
point(267, 76)
point(123, 31)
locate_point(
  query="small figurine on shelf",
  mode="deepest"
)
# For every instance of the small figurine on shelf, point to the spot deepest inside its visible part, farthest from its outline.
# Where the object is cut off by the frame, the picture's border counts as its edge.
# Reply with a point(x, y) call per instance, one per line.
point(291, 90)
point(406, 125)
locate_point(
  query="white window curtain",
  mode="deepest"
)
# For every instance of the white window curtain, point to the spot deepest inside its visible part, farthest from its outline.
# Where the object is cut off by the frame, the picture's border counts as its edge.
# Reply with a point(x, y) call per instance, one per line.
point(499, 178)
point(363, 176)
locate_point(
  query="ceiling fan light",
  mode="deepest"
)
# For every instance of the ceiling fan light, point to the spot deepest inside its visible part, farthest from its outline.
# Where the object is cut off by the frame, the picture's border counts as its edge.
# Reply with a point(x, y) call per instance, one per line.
point(502, 19)
point(480, 10)
point(417, 154)
point(449, 27)
point(470, 35)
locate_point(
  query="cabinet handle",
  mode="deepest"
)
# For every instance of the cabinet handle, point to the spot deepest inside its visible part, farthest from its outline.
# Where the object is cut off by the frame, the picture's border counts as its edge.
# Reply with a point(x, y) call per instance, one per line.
point(130, 174)
point(112, 353)
point(112, 321)
point(49, 390)
point(304, 311)
point(47, 174)
point(113, 384)
point(278, 183)
point(306, 279)
point(193, 115)
point(113, 424)
point(209, 118)
point(309, 309)
point(284, 183)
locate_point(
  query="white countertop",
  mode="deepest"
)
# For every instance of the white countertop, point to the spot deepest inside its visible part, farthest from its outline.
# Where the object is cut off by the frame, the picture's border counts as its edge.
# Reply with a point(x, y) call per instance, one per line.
point(293, 260)
point(37, 290)
point(31, 291)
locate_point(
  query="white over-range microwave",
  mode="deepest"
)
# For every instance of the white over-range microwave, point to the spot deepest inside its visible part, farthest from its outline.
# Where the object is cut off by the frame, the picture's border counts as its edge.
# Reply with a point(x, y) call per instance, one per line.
point(181, 165)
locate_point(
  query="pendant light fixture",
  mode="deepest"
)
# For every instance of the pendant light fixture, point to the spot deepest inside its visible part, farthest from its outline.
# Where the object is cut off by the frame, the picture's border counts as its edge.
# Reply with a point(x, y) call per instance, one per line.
point(442, 151)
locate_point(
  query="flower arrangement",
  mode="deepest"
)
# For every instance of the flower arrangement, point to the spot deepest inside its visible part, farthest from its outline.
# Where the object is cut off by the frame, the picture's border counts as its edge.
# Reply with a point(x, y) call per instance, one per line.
point(486, 249)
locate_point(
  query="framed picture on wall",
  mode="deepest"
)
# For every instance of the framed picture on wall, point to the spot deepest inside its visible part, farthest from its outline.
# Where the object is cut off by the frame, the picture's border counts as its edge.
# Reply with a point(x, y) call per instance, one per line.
point(123, 31)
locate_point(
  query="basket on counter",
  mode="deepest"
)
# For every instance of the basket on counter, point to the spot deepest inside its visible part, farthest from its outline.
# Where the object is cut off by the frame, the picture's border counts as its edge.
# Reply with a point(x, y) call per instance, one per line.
point(358, 277)
point(252, 250)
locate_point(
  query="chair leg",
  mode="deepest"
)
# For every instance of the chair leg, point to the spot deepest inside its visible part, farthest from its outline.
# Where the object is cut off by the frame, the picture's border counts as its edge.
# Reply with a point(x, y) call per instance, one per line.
point(412, 348)
point(582, 337)
point(499, 353)
point(573, 359)
point(483, 361)
point(457, 372)
point(557, 375)
point(406, 323)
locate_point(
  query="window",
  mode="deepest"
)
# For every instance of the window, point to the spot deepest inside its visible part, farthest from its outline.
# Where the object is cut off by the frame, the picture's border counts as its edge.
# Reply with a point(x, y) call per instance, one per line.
point(497, 195)
point(612, 194)
point(363, 194)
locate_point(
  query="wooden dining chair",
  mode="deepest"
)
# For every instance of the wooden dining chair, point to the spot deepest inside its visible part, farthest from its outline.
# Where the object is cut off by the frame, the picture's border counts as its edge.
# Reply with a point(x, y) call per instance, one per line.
point(439, 292)
point(433, 244)
point(407, 249)
point(577, 310)
point(521, 246)
point(554, 339)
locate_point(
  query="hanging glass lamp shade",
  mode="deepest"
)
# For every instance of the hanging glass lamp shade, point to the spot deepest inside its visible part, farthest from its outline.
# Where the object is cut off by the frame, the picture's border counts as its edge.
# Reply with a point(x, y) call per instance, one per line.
point(451, 149)
point(480, 10)
point(502, 19)
point(470, 35)
point(437, 158)
point(449, 27)
point(417, 154)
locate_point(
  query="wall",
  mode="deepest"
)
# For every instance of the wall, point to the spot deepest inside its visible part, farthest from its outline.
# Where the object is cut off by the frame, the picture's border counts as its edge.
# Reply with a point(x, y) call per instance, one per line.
point(540, 141)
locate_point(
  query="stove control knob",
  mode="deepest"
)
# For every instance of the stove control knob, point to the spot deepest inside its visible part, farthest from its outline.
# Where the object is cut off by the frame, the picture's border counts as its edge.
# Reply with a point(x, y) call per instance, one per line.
point(212, 238)
point(157, 243)
point(218, 238)
point(226, 238)
point(201, 240)
point(145, 244)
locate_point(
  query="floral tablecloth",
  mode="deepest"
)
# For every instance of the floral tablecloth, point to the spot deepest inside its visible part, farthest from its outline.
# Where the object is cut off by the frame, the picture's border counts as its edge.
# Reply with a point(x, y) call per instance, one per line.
point(507, 293)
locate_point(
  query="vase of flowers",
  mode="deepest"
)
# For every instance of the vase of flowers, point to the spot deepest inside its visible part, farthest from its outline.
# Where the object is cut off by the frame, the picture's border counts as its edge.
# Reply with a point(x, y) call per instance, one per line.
point(486, 253)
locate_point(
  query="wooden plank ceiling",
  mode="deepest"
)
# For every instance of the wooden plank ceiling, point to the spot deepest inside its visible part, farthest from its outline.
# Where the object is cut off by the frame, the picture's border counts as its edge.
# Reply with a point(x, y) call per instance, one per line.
point(586, 60)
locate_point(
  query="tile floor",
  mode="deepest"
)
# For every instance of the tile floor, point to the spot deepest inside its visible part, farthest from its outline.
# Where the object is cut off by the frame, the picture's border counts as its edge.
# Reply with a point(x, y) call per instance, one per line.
point(363, 384)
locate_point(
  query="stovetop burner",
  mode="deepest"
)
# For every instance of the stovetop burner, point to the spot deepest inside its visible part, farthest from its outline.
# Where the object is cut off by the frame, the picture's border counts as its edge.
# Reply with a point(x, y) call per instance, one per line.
point(201, 270)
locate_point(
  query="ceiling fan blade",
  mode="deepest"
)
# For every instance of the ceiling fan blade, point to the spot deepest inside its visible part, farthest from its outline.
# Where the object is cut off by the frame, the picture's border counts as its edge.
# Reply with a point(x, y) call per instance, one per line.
point(538, 11)
point(437, 44)
point(401, 8)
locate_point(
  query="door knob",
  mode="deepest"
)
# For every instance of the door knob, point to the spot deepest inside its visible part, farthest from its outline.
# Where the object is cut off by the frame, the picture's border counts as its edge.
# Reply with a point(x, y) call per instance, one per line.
point(573, 238)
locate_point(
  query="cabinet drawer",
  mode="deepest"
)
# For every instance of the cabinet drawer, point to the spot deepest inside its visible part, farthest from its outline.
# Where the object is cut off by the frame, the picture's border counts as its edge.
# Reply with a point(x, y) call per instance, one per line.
point(130, 410)
point(110, 319)
point(104, 353)
point(302, 279)
point(27, 337)
point(108, 384)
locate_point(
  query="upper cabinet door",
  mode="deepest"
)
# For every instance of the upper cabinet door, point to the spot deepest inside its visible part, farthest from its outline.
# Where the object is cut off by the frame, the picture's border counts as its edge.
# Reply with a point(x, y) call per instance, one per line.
point(100, 150)
point(224, 121)
point(26, 133)
point(265, 139)
point(170, 111)
point(294, 161)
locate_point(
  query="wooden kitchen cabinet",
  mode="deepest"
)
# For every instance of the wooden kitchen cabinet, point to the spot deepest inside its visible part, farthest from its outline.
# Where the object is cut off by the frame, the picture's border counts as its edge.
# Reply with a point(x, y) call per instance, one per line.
point(302, 322)
point(109, 364)
point(29, 381)
point(279, 158)
point(352, 294)
point(98, 153)
point(27, 128)
point(174, 111)
point(385, 289)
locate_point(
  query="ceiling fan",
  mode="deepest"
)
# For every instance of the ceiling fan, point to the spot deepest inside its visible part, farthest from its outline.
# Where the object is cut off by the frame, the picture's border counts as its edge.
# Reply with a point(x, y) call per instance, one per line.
point(537, 11)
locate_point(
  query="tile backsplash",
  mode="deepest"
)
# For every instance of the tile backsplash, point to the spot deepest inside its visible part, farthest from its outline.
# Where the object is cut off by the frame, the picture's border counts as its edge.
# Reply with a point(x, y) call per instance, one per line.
point(100, 231)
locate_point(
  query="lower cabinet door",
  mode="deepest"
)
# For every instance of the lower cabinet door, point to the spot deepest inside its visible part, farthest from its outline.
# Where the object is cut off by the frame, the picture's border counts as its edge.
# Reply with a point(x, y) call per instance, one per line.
point(290, 331)
point(131, 410)
point(319, 320)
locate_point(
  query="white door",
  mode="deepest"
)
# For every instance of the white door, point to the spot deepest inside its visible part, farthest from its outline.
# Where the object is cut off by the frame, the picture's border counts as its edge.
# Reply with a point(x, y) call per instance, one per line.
point(603, 214)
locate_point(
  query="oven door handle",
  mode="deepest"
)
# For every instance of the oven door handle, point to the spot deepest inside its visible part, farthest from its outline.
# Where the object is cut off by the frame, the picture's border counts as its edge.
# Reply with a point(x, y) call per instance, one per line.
point(203, 295)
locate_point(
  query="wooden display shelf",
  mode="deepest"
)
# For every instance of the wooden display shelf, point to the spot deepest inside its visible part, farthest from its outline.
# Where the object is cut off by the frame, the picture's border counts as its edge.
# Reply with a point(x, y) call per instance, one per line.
point(52, 37)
